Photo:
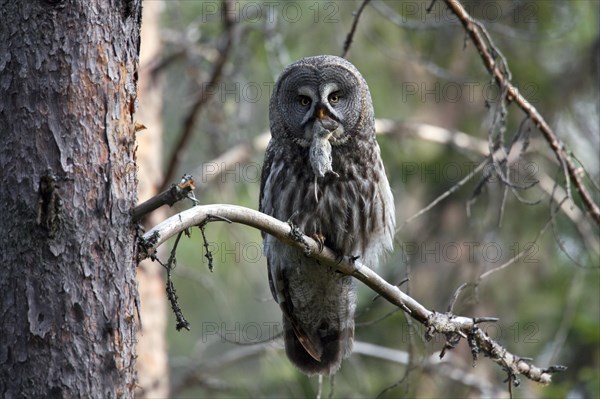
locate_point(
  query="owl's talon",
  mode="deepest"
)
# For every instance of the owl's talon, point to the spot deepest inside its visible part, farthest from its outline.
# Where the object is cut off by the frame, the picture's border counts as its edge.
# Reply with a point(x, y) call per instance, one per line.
point(320, 239)
point(291, 218)
point(339, 257)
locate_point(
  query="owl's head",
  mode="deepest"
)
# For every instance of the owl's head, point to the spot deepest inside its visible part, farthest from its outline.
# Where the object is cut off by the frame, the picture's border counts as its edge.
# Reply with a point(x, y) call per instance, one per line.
point(321, 93)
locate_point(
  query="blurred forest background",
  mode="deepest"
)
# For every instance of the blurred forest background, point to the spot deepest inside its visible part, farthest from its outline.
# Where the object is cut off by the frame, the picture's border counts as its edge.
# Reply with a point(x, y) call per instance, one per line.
point(207, 75)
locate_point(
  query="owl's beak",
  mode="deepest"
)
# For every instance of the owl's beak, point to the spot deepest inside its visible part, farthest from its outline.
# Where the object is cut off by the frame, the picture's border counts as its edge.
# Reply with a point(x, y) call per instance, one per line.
point(320, 114)
point(325, 120)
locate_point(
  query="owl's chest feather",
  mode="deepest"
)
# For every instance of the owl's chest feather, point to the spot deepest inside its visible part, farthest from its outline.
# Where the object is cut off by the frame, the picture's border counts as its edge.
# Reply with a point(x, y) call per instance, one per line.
point(345, 207)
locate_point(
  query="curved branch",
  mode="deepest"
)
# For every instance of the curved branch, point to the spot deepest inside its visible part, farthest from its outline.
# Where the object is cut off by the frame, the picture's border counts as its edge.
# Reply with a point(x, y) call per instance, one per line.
point(453, 327)
point(478, 36)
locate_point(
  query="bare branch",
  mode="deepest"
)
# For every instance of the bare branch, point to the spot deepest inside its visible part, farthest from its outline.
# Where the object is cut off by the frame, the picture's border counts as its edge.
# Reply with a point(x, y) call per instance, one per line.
point(453, 327)
point(173, 194)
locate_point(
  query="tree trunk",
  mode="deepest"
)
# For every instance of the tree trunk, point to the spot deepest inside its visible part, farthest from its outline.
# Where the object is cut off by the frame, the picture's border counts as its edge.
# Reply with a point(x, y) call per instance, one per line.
point(67, 185)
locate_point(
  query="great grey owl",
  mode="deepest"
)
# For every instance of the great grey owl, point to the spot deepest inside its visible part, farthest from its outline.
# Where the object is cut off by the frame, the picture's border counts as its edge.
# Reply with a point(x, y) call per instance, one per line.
point(323, 173)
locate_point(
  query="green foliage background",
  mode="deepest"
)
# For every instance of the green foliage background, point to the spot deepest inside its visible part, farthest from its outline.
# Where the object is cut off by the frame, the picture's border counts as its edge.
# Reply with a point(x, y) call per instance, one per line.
point(420, 69)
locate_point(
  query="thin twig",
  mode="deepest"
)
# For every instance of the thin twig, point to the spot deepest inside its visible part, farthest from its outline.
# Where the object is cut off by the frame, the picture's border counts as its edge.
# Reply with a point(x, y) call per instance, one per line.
point(572, 301)
point(450, 367)
point(452, 189)
point(207, 253)
point(594, 184)
point(456, 294)
point(171, 293)
point(392, 386)
point(516, 257)
point(350, 36)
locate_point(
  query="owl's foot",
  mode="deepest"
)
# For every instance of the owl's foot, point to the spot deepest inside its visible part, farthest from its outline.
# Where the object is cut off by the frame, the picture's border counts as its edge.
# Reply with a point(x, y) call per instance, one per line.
point(297, 235)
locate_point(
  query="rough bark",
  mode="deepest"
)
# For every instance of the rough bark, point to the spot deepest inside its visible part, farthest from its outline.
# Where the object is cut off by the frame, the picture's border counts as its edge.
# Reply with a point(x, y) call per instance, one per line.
point(67, 187)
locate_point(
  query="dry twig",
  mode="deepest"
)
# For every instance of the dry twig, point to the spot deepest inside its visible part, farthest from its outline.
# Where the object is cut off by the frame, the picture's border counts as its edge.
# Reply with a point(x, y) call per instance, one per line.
point(175, 193)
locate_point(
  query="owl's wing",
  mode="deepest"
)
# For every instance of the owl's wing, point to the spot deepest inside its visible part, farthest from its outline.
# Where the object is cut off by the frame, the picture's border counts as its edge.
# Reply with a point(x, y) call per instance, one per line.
point(266, 170)
point(278, 281)
point(277, 284)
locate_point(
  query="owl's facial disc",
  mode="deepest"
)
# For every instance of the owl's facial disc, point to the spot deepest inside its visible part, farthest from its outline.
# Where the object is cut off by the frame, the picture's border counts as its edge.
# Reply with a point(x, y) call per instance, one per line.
point(320, 113)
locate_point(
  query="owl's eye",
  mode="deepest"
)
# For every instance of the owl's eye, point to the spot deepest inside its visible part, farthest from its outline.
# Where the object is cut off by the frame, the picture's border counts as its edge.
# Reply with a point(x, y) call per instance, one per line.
point(334, 98)
point(304, 101)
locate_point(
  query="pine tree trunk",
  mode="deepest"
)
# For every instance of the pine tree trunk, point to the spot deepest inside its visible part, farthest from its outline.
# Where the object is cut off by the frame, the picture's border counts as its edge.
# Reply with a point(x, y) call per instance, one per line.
point(67, 185)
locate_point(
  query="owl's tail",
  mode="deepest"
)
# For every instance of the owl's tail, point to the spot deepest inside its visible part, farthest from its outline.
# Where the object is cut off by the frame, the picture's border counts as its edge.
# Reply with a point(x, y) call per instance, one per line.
point(324, 353)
